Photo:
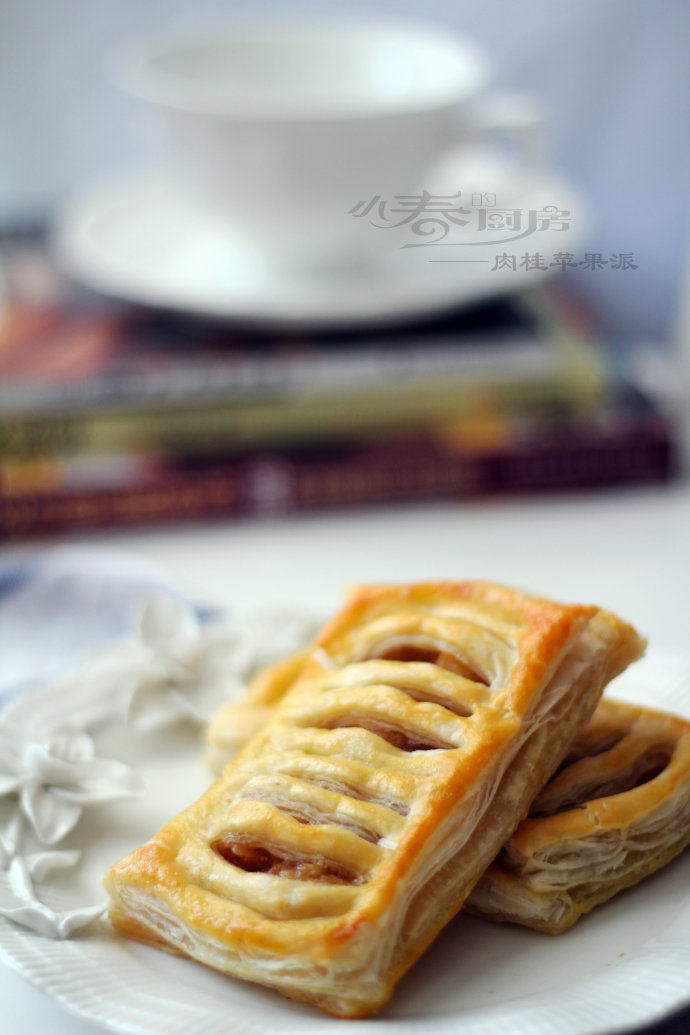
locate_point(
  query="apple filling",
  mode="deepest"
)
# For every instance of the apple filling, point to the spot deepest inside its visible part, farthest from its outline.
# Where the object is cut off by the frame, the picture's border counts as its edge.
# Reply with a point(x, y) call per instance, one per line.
point(444, 659)
point(255, 858)
point(650, 764)
point(405, 740)
point(589, 743)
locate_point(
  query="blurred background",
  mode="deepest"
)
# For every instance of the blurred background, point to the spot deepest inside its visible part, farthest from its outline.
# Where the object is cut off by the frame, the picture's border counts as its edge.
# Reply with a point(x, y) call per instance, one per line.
point(157, 365)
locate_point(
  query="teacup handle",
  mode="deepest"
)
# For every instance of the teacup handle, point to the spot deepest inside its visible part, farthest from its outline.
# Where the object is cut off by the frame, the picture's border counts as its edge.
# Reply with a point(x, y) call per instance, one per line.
point(519, 115)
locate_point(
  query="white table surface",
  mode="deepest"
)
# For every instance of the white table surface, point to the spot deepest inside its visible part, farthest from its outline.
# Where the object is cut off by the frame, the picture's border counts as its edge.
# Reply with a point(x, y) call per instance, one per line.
point(628, 551)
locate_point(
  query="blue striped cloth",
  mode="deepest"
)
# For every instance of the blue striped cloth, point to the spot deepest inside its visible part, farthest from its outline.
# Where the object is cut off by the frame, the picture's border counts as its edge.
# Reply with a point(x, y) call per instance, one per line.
point(58, 605)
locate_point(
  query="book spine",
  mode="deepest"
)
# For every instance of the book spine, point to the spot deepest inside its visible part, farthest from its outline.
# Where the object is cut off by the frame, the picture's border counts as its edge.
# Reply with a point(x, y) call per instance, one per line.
point(265, 423)
point(249, 374)
point(273, 484)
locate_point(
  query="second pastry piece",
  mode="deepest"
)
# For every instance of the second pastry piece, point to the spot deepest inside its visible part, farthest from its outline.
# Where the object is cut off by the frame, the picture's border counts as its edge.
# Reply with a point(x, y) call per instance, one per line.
point(356, 822)
point(617, 811)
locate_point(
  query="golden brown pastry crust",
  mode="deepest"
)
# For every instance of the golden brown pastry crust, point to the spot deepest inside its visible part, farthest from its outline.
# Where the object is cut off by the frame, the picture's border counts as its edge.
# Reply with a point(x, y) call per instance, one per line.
point(618, 810)
point(371, 771)
point(621, 836)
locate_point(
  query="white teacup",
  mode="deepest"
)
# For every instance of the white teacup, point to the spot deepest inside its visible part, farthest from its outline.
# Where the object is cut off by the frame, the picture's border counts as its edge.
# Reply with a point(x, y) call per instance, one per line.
point(282, 128)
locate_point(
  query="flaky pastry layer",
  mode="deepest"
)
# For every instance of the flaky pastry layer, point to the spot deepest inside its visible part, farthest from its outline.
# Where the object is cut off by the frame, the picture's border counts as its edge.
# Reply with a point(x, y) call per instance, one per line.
point(405, 746)
point(617, 811)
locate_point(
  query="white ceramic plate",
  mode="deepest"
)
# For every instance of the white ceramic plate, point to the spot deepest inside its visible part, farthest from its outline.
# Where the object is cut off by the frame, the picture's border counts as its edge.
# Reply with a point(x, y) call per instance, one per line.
point(137, 237)
point(624, 965)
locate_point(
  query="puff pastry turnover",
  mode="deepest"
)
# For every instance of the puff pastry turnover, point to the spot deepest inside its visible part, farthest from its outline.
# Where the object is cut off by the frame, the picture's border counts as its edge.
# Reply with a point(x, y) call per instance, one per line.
point(414, 735)
point(618, 809)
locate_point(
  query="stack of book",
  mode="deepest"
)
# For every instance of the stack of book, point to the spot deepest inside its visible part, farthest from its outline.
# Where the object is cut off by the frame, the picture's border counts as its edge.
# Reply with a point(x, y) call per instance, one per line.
point(111, 416)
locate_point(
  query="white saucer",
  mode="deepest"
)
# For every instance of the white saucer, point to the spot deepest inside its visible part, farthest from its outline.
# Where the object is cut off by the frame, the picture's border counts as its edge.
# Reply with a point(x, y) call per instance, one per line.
point(136, 237)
